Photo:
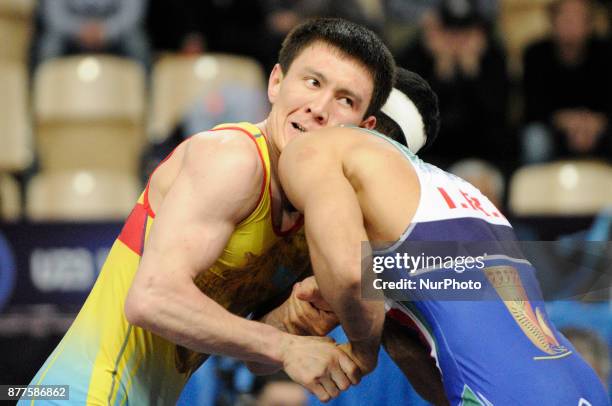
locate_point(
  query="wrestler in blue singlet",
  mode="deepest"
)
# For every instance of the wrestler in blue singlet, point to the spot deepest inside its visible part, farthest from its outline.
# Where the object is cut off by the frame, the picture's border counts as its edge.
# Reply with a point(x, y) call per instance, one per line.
point(501, 349)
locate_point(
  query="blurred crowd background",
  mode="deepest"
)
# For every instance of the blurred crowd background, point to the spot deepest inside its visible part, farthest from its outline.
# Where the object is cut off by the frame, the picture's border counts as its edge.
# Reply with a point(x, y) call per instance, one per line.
point(94, 93)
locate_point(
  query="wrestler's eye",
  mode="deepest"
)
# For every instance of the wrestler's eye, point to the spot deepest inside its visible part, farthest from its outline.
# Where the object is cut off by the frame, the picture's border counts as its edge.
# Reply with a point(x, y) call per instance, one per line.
point(312, 82)
point(347, 101)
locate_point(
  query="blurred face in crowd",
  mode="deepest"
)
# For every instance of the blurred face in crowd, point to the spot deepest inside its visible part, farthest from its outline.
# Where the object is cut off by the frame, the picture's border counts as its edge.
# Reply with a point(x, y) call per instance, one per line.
point(462, 37)
point(572, 22)
point(322, 87)
point(282, 394)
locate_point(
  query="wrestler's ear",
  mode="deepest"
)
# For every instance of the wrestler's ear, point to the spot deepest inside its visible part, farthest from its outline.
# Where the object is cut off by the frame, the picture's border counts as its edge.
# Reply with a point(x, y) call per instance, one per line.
point(368, 123)
point(274, 82)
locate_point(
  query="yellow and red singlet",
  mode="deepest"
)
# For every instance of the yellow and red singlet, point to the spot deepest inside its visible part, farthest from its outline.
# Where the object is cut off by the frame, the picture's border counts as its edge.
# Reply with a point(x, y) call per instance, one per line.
point(103, 358)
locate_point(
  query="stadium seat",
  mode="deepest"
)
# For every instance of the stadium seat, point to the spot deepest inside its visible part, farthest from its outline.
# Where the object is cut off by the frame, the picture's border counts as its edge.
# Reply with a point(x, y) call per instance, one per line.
point(178, 81)
point(566, 188)
point(15, 29)
point(81, 195)
point(89, 113)
point(10, 198)
point(15, 135)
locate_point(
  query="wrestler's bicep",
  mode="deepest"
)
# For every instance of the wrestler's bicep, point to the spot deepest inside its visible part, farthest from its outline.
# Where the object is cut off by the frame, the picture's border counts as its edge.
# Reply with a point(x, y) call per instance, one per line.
point(215, 188)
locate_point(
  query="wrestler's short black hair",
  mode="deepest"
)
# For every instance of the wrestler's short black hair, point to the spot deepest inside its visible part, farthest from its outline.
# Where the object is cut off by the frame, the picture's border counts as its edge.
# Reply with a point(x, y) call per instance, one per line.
point(355, 41)
point(424, 98)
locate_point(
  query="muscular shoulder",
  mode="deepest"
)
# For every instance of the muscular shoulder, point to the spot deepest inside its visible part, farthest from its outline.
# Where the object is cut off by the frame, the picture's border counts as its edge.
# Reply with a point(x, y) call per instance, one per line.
point(228, 160)
point(229, 149)
point(340, 144)
point(207, 155)
point(332, 149)
point(359, 155)
point(326, 143)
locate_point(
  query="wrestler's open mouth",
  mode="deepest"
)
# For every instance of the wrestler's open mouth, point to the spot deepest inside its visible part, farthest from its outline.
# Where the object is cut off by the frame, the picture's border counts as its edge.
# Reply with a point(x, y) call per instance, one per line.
point(298, 127)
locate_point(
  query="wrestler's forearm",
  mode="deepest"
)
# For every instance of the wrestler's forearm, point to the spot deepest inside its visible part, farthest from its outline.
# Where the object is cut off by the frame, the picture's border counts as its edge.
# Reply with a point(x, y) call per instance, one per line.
point(183, 315)
point(367, 328)
point(361, 320)
point(275, 319)
point(334, 223)
point(337, 254)
point(340, 284)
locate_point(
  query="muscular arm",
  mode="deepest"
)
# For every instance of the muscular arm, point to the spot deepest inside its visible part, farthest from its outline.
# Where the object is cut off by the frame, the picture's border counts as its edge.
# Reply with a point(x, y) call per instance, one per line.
point(217, 186)
point(313, 179)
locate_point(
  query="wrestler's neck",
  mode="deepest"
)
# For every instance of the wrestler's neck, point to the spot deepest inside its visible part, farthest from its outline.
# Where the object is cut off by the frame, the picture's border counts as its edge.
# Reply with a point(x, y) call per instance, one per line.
point(286, 214)
point(273, 149)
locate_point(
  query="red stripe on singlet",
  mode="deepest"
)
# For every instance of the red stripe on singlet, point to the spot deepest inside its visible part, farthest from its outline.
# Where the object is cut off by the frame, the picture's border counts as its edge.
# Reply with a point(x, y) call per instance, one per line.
point(407, 322)
point(135, 227)
point(294, 228)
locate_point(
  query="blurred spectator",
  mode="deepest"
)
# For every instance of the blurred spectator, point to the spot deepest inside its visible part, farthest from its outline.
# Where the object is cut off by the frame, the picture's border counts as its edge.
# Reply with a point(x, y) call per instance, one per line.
point(484, 176)
point(225, 105)
point(228, 104)
point(195, 26)
point(245, 27)
point(568, 89)
point(403, 18)
point(412, 12)
point(467, 69)
point(106, 26)
point(278, 390)
point(283, 15)
point(593, 349)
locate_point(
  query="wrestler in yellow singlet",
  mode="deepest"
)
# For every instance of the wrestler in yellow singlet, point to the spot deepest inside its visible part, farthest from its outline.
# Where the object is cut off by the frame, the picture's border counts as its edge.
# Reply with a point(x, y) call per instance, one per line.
point(105, 360)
